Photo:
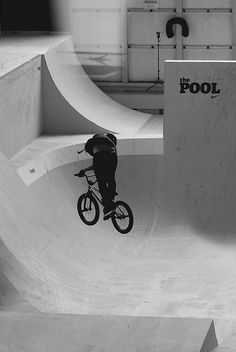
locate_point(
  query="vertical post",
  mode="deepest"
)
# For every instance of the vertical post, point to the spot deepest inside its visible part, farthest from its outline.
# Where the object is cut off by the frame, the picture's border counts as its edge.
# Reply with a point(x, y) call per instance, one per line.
point(60, 12)
point(70, 18)
point(124, 41)
point(179, 37)
point(234, 29)
point(1, 8)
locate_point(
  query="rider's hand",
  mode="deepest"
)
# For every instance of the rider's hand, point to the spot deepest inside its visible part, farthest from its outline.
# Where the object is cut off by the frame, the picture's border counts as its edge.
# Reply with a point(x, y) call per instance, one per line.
point(81, 173)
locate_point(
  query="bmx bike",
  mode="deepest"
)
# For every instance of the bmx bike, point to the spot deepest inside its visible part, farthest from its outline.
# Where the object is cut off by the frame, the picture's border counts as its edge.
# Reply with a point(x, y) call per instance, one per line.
point(89, 212)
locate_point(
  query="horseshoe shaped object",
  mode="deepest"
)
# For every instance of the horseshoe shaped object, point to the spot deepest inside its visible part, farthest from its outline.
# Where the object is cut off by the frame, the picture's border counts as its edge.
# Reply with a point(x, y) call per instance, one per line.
point(177, 20)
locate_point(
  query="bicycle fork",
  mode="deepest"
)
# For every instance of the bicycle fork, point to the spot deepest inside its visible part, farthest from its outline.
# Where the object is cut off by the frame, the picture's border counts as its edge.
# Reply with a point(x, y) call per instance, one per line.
point(87, 203)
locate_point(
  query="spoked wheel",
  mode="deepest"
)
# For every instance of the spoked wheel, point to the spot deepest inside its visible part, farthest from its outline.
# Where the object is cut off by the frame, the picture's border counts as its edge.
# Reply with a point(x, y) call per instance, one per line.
point(88, 209)
point(122, 218)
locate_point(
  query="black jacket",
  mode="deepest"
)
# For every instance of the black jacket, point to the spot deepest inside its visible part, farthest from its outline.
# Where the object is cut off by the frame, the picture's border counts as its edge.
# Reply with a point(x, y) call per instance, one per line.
point(98, 139)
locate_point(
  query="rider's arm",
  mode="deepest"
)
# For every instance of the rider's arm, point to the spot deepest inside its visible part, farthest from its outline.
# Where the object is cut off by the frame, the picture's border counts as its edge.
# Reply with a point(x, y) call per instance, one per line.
point(89, 168)
point(82, 172)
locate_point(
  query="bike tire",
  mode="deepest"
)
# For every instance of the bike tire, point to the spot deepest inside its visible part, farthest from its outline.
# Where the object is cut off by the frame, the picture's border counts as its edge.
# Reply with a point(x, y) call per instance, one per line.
point(92, 212)
point(122, 212)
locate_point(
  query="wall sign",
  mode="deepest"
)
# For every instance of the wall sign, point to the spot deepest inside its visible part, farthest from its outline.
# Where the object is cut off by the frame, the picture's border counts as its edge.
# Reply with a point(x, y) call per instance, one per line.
point(199, 87)
point(151, 4)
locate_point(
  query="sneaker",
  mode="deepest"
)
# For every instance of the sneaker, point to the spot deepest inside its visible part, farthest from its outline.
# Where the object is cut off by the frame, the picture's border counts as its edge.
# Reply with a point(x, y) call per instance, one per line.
point(107, 213)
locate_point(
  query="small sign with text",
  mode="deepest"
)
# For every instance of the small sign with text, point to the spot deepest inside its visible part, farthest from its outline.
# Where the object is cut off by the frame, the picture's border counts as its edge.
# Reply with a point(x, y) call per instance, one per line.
point(151, 4)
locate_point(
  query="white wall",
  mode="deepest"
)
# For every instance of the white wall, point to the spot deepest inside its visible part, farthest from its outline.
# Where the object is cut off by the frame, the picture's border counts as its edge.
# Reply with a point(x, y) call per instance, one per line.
point(116, 39)
point(207, 3)
point(96, 28)
point(199, 143)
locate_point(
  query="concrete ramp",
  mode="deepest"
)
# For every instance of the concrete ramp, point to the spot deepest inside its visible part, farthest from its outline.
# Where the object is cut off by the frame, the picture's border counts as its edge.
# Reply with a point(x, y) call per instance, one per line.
point(179, 259)
point(73, 104)
point(44, 89)
point(59, 333)
point(59, 264)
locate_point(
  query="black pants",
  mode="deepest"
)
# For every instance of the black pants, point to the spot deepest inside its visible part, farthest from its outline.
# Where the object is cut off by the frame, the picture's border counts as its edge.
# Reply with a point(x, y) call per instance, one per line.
point(105, 164)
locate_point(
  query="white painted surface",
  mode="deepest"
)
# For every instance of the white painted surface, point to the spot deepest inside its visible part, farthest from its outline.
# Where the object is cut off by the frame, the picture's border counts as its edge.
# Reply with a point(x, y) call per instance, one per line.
point(168, 265)
point(199, 144)
point(70, 98)
point(97, 28)
point(204, 29)
point(209, 54)
point(73, 104)
point(162, 3)
point(93, 4)
point(207, 3)
point(49, 152)
point(101, 64)
point(21, 119)
point(20, 89)
point(18, 50)
point(140, 101)
point(58, 333)
point(144, 25)
point(143, 63)
point(164, 267)
point(98, 31)
point(91, 21)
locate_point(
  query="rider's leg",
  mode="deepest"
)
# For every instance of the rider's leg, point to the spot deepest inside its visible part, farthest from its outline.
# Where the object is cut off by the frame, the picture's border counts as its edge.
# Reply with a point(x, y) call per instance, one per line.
point(102, 185)
point(103, 164)
point(103, 188)
point(106, 196)
point(112, 186)
point(106, 199)
point(111, 175)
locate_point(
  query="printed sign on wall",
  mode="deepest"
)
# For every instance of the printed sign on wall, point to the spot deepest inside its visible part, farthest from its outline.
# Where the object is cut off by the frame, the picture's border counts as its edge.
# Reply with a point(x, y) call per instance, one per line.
point(151, 4)
point(195, 87)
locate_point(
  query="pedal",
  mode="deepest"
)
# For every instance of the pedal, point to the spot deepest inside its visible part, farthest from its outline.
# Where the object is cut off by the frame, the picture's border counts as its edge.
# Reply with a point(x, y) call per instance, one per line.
point(108, 215)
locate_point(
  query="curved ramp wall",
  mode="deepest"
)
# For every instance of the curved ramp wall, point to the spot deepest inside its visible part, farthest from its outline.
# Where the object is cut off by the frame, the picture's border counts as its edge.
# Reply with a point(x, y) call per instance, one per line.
point(180, 251)
point(44, 89)
point(72, 266)
point(72, 102)
point(162, 268)
point(49, 152)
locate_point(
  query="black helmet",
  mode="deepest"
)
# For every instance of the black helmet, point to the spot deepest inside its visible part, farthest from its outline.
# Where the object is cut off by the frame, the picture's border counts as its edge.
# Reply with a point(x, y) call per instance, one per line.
point(112, 138)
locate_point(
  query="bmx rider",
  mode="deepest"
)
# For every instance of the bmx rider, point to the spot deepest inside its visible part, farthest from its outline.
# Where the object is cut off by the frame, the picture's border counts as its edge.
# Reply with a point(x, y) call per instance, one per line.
point(102, 147)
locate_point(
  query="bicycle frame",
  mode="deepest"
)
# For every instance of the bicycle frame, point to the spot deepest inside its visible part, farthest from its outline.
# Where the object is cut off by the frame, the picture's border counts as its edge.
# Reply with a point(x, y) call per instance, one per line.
point(93, 190)
point(121, 211)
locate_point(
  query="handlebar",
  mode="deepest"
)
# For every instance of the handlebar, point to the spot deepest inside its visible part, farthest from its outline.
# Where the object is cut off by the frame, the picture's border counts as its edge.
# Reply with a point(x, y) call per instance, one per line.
point(87, 178)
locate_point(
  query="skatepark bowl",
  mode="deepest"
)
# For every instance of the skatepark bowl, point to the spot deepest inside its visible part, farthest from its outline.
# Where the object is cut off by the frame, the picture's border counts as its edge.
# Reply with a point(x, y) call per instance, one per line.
point(169, 284)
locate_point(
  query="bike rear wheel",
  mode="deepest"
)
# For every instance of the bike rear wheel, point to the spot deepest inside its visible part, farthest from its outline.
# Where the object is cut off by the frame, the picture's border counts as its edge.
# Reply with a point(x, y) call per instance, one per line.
point(88, 209)
point(122, 218)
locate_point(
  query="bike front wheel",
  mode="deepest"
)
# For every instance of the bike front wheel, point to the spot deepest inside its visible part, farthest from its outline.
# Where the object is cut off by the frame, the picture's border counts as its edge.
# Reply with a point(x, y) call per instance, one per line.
point(88, 209)
point(122, 218)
